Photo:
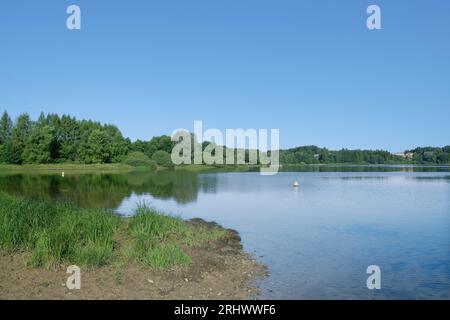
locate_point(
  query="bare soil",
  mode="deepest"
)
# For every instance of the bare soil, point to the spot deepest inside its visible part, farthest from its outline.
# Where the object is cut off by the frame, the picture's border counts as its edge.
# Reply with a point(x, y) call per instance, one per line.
point(220, 270)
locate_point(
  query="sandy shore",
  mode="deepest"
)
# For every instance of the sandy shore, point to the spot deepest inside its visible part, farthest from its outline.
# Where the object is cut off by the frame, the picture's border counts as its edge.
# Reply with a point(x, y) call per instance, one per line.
point(220, 270)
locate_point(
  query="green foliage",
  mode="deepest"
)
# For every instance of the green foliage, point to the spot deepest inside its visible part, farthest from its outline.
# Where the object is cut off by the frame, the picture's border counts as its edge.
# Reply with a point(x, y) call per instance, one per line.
point(163, 158)
point(39, 145)
point(96, 149)
point(431, 155)
point(19, 138)
point(149, 148)
point(5, 128)
point(166, 256)
point(157, 238)
point(163, 143)
point(139, 159)
point(95, 190)
point(69, 138)
point(58, 233)
point(316, 155)
point(55, 139)
point(5, 152)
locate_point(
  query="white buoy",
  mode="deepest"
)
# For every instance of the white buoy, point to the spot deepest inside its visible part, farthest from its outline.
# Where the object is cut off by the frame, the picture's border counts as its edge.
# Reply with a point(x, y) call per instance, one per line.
point(62, 174)
point(296, 184)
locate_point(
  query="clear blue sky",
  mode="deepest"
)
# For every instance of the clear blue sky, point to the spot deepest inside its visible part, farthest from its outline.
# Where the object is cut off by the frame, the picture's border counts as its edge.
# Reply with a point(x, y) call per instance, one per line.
point(310, 68)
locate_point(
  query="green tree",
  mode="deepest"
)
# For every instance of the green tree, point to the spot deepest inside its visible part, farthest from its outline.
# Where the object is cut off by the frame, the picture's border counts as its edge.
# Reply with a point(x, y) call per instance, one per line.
point(96, 148)
point(5, 128)
point(5, 138)
point(68, 137)
point(139, 145)
point(39, 145)
point(19, 138)
point(139, 159)
point(119, 146)
point(163, 158)
point(163, 143)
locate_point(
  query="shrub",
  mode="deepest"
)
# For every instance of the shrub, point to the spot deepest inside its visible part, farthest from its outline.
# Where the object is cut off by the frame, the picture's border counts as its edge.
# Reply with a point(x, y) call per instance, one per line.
point(138, 159)
point(163, 158)
point(157, 238)
point(55, 232)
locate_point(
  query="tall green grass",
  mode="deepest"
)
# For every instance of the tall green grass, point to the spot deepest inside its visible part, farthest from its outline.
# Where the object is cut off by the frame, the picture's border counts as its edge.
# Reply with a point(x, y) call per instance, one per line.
point(55, 232)
point(158, 238)
point(58, 232)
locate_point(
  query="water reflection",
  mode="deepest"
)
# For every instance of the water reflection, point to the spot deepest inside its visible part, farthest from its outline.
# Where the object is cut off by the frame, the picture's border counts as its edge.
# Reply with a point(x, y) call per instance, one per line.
point(108, 190)
point(317, 240)
point(364, 168)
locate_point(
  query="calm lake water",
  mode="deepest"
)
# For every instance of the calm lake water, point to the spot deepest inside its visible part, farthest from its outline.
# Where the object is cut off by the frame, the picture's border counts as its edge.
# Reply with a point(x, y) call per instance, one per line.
point(317, 241)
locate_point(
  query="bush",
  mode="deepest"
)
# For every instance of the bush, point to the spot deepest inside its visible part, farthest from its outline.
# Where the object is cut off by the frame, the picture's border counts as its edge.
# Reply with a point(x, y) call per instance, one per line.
point(163, 158)
point(138, 159)
point(57, 232)
point(157, 238)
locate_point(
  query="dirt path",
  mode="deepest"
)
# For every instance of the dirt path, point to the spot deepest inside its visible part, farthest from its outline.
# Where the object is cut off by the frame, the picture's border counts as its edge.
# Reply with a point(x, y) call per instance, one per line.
point(218, 271)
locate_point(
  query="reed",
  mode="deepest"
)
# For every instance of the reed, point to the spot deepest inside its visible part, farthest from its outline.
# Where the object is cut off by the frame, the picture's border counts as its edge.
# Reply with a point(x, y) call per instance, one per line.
point(55, 232)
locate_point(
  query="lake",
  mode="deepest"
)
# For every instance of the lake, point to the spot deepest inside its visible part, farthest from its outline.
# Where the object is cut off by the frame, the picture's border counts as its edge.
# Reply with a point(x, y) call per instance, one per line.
point(317, 240)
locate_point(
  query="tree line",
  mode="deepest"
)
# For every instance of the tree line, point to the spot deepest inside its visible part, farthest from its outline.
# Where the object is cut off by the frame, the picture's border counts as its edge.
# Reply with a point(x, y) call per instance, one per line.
point(316, 155)
point(55, 139)
point(60, 139)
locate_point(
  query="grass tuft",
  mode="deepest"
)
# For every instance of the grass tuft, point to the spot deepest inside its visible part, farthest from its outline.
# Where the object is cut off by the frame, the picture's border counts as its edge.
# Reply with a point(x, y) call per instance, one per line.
point(58, 232)
point(164, 256)
point(158, 237)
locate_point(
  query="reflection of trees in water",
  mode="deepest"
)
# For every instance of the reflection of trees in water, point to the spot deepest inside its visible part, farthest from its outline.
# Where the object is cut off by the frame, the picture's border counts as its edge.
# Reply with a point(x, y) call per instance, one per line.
point(182, 186)
point(97, 191)
point(108, 190)
point(363, 168)
point(208, 183)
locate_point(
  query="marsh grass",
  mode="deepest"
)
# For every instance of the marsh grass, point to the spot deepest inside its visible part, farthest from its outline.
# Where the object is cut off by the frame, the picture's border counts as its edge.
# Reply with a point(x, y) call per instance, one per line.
point(158, 238)
point(58, 232)
point(55, 232)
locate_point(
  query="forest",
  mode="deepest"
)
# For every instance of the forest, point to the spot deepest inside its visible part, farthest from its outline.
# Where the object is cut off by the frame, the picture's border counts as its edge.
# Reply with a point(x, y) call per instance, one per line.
point(64, 139)
point(55, 139)
point(316, 155)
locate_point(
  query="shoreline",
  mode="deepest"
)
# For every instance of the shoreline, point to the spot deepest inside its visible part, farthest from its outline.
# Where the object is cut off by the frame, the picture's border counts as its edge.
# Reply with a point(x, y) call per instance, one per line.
point(111, 168)
point(219, 270)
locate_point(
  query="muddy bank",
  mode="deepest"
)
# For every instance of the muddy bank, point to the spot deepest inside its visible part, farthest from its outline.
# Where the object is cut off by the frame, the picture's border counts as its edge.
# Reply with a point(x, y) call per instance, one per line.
point(219, 270)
